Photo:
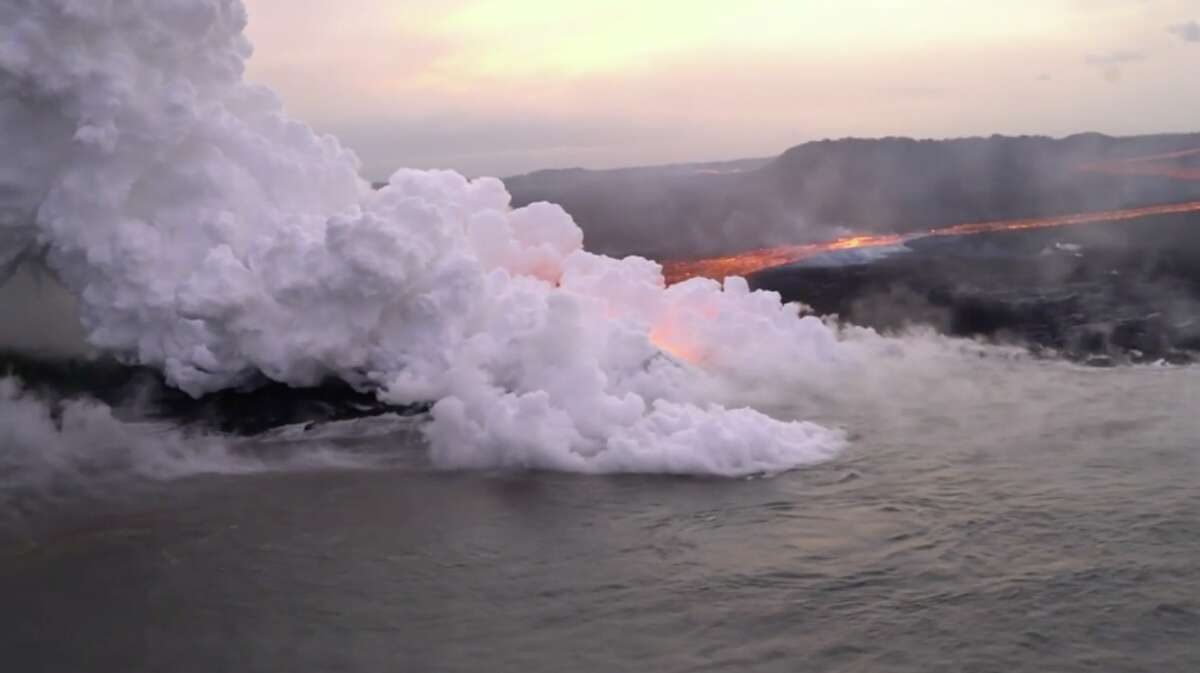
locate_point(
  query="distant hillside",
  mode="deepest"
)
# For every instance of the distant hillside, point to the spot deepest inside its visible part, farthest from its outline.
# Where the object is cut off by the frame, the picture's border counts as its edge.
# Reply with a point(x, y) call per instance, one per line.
point(831, 187)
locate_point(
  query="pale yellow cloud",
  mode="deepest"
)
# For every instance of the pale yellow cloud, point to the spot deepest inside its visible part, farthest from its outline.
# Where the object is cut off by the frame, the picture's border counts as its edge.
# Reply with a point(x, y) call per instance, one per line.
point(508, 85)
point(571, 38)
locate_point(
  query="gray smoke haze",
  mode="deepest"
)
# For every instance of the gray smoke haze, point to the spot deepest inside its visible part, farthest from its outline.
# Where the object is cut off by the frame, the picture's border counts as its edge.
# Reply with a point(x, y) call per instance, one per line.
point(822, 190)
point(40, 316)
point(1118, 57)
point(1188, 31)
point(1112, 63)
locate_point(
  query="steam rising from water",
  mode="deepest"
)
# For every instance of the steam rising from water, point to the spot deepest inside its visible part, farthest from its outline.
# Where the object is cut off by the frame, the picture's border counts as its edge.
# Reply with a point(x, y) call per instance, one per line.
point(76, 449)
point(208, 234)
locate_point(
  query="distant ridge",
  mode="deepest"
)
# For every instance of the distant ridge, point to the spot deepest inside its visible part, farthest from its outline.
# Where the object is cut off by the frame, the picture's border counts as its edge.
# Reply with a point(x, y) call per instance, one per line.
point(831, 187)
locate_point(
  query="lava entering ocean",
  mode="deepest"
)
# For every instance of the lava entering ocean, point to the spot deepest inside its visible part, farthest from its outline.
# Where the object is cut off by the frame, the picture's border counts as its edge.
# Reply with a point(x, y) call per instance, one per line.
point(743, 263)
point(205, 234)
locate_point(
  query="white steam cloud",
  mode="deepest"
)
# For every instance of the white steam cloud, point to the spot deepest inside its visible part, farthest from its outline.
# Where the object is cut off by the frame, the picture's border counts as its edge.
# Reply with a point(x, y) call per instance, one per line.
point(207, 234)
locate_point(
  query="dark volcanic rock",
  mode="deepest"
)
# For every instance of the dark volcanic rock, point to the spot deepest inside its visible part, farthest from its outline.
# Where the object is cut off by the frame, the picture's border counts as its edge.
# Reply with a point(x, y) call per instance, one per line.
point(1101, 293)
point(142, 392)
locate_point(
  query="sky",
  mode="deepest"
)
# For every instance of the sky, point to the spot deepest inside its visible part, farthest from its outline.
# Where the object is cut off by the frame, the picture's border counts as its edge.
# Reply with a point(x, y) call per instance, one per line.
point(501, 87)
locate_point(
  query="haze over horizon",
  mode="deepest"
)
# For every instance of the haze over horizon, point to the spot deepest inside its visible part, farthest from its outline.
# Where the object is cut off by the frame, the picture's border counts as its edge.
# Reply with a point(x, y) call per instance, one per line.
point(505, 87)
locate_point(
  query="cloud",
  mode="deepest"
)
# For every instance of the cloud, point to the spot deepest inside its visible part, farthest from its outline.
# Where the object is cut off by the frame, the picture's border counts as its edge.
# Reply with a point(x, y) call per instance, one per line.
point(1188, 31)
point(1111, 62)
point(1113, 58)
point(914, 92)
point(487, 141)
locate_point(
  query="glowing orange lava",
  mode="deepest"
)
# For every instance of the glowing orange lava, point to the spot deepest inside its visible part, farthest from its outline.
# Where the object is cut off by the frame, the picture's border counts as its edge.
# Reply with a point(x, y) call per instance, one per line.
point(667, 342)
point(748, 262)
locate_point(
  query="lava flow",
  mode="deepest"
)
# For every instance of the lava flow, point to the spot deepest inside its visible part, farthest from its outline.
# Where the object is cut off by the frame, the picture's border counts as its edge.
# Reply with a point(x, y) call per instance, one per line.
point(748, 262)
point(743, 263)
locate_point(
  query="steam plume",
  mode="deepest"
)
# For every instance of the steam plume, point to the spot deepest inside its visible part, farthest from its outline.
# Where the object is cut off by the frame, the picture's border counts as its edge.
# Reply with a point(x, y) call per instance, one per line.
point(206, 233)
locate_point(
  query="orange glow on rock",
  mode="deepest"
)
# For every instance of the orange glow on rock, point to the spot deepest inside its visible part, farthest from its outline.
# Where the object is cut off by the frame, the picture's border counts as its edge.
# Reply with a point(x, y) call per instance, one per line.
point(666, 341)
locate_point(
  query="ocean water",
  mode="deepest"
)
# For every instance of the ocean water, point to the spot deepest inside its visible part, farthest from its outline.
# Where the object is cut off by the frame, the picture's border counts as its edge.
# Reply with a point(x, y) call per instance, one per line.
point(1049, 523)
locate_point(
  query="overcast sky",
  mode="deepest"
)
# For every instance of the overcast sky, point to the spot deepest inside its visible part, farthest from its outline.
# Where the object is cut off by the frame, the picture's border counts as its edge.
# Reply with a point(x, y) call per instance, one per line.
point(507, 86)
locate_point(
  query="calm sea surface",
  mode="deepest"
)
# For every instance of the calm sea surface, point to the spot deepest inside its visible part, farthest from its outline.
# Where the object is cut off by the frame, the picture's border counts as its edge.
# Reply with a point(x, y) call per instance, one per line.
point(944, 543)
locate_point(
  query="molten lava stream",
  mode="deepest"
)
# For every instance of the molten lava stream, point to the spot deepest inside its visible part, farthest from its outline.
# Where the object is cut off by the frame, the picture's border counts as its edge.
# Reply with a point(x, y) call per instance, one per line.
point(745, 263)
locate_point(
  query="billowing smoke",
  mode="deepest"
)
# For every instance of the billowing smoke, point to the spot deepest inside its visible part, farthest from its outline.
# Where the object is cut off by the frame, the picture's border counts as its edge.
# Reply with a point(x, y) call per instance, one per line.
point(207, 234)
